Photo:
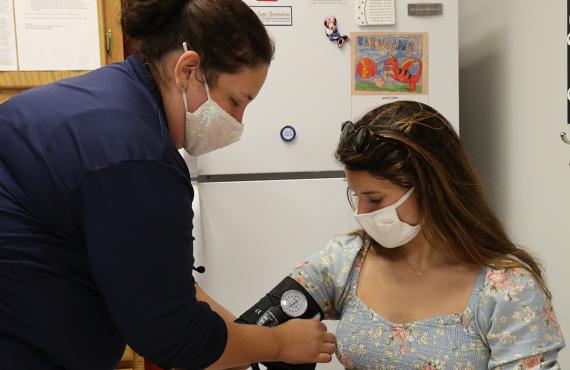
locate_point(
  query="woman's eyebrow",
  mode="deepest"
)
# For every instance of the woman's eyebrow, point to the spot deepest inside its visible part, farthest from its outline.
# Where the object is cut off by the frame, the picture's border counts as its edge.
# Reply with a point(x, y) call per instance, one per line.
point(371, 192)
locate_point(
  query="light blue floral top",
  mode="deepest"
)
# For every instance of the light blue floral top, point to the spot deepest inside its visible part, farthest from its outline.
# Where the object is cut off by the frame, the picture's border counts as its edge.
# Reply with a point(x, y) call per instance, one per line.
point(509, 323)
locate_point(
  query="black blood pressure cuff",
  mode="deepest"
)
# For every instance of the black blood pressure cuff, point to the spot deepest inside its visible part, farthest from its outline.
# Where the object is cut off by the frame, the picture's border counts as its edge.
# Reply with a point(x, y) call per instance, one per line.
point(271, 303)
point(273, 299)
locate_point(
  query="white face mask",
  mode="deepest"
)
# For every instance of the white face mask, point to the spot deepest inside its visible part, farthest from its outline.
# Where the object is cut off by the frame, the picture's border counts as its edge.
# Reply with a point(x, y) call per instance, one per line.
point(385, 227)
point(210, 127)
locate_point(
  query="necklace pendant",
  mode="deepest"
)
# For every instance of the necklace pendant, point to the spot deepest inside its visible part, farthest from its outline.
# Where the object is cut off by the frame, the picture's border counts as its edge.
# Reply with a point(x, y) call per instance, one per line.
point(419, 274)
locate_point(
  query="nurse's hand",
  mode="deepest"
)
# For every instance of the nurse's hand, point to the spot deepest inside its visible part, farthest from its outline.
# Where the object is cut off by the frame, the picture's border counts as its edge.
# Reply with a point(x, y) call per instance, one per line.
point(305, 342)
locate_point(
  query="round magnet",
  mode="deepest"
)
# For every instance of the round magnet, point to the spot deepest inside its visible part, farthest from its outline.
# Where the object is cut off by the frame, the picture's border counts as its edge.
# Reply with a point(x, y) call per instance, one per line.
point(288, 133)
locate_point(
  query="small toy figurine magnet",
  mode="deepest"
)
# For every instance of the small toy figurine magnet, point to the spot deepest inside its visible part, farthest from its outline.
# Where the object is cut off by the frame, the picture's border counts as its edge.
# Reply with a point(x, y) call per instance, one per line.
point(332, 31)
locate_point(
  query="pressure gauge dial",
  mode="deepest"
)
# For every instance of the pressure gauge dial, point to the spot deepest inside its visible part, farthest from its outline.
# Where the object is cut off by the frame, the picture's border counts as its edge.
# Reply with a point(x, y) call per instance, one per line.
point(294, 303)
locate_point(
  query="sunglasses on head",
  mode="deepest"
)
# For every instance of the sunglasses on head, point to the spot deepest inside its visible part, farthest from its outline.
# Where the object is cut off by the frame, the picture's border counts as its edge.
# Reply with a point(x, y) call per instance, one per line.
point(363, 137)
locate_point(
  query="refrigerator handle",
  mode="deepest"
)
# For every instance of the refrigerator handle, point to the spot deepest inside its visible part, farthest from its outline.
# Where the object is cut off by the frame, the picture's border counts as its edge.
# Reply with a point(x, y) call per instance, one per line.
point(192, 163)
point(197, 233)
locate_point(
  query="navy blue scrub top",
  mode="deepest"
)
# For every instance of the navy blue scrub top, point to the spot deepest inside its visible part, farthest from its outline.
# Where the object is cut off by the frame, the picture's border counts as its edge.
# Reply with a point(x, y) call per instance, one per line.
point(96, 229)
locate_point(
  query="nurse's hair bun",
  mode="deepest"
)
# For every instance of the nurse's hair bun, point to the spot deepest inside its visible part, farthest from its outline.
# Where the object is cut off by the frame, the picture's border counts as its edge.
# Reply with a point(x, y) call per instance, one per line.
point(226, 34)
point(142, 18)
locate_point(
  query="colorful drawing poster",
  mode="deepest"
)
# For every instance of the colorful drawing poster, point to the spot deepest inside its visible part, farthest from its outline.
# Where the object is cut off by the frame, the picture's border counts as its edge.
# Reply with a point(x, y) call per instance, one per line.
point(389, 63)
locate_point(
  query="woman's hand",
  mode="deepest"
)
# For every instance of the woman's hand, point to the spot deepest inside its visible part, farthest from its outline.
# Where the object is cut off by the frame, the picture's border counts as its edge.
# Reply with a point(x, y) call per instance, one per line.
point(296, 341)
point(305, 342)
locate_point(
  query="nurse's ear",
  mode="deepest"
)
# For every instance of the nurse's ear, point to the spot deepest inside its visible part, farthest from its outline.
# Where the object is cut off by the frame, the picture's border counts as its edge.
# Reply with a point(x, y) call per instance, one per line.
point(188, 64)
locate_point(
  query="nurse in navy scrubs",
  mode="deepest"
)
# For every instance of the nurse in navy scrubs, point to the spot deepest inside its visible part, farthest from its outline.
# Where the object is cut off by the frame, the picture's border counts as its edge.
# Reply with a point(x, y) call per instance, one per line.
point(95, 201)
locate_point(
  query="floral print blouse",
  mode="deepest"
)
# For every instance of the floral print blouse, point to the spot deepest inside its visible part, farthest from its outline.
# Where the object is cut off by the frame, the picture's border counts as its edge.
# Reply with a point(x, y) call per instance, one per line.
point(508, 323)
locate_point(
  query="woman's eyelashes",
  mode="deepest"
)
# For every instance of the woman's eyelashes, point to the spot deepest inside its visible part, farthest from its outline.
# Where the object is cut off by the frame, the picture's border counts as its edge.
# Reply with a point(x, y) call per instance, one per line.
point(374, 201)
point(368, 199)
point(371, 203)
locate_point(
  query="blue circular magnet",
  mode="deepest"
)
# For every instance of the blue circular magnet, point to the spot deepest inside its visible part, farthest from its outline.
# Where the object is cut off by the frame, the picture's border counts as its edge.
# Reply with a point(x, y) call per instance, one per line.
point(288, 133)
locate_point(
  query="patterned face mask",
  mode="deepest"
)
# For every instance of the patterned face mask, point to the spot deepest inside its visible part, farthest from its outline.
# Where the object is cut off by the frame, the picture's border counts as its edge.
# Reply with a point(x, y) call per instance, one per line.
point(210, 127)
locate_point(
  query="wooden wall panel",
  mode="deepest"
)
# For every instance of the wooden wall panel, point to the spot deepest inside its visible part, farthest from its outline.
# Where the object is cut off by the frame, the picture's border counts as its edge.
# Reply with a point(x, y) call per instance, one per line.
point(12, 83)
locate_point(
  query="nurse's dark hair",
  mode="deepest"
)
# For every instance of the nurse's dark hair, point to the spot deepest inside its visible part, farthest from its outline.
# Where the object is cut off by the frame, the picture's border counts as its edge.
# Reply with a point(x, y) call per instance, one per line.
point(226, 34)
point(413, 145)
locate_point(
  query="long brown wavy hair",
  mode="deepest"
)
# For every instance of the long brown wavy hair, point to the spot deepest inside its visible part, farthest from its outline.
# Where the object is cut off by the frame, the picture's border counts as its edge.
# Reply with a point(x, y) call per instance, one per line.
point(413, 145)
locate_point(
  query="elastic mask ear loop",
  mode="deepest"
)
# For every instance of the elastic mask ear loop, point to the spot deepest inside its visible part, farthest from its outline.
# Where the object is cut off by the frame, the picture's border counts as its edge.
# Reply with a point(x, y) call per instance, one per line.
point(403, 198)
point(185, 47)
point(207, 89)
point(184, 98)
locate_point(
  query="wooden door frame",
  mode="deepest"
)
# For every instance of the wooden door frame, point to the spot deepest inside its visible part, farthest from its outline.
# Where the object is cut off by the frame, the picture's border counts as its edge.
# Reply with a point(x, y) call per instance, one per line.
point(110, 43)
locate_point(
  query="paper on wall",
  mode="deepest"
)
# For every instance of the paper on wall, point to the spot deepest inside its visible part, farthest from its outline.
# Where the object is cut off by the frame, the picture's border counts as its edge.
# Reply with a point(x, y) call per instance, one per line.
point(274, 15)
point(328, 1)
point(389, 63)
point(8, 58)
point(57, 35)
point(374, 12)
point(362, 104)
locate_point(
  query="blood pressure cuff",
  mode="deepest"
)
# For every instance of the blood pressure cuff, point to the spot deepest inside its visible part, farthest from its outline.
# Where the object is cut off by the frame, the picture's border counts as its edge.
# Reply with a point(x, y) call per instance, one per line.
point(272, 301)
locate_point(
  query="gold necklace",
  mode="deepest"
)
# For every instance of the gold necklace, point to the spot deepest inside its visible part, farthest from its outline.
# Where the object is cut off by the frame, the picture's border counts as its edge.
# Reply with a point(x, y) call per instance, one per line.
point(418, 274)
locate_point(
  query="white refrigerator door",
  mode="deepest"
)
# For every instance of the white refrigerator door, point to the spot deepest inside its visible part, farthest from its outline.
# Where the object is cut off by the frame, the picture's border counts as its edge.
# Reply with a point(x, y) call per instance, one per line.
point(309, 88)
point(254, 233)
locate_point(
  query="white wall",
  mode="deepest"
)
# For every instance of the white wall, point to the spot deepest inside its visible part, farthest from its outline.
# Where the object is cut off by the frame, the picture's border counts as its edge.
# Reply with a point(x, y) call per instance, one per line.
point(512, 59)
